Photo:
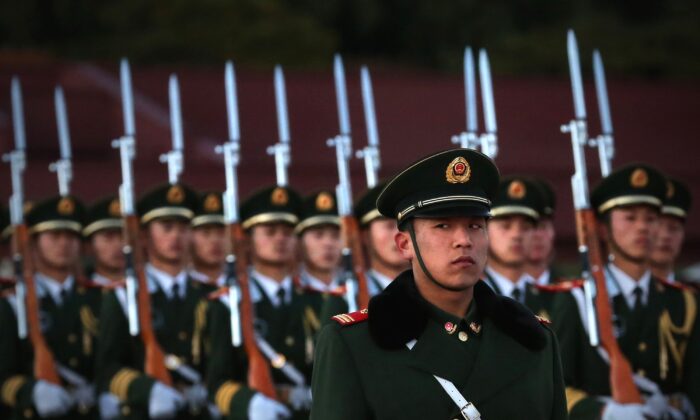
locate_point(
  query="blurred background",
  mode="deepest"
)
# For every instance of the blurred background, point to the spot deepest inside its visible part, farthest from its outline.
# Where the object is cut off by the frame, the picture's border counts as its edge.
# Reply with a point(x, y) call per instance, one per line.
point(651, 51)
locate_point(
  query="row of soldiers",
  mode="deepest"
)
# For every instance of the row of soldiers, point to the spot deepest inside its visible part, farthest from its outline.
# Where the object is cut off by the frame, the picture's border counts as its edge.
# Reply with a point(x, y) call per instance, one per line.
point(295, 254)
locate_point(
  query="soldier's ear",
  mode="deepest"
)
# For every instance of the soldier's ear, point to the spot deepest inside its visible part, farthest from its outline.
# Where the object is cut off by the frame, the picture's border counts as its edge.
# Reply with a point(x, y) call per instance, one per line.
point(403, 243)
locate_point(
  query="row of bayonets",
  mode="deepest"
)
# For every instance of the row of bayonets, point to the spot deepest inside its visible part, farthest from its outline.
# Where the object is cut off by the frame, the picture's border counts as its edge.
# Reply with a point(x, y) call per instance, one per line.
point(471, 138)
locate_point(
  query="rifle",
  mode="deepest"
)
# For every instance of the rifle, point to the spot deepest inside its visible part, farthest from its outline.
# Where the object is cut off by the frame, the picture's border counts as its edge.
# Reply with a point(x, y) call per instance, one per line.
point(352, 275)
point(471, 139)
point(240, 305)
point(369, 153)
point(28, 322)
point(174, 158)
point(63, 166)
point(604, 141)
point(137, 296)
point(597, 306)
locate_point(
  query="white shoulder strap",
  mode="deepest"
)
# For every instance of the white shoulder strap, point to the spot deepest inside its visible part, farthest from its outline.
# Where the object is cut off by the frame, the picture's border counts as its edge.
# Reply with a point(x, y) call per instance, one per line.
point(467, 409)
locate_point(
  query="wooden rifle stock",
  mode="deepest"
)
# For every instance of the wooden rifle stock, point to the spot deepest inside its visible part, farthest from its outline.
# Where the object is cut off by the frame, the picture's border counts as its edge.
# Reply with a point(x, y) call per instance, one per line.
point(154, 362)
point(622, 385)
point(44, 362)
point(350, 233)
point(259, 375)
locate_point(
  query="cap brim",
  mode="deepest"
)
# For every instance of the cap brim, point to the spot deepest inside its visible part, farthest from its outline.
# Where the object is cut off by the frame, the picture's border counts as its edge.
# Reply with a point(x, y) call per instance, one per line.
point(452, 209)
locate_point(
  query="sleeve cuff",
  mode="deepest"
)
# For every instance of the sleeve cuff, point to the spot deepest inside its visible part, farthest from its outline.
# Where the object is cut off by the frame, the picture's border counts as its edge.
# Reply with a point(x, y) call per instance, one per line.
point(232, 399)
point(131, 386)
point(580, 405)
point(16, 391)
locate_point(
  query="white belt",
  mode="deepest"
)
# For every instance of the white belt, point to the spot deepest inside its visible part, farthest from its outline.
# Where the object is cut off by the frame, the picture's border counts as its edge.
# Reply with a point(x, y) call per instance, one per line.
point(467, 409)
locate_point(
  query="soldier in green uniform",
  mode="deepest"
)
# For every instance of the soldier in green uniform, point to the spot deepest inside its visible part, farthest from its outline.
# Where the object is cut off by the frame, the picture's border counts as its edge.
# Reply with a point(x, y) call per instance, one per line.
point(384, 260)
point(438, 343)
point(516, 210)
point(671, 232)
point(539, 245)
point(282, 323)
point(68, 306)
point(654, 320)
point(103, 233)
point(319, 241)
point(208, 240)
point(178, 316)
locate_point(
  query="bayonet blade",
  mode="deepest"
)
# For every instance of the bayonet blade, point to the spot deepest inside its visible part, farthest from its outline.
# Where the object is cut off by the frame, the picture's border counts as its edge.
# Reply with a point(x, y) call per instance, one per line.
point(18, 115)
point(470, 91)
point(281, 102)
point(341, 95)
point(175, 113)
point(575, 72)
point(62, 123)
point(231, 102)
point(602, 93)
point(368, 102)
point(127, 98)
point(487, 93)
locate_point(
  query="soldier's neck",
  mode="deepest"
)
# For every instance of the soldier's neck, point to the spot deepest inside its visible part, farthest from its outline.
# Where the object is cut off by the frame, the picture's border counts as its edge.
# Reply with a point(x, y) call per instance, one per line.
point(106, 272)
point(212, 272)
point(537, 269)
point(57, 273)
point(325, 276)
point(510, 272)
point(276, 272)
point(385, 269)
point(632, 268)
point(452, 302)
point(170, 267)
point(662, 271)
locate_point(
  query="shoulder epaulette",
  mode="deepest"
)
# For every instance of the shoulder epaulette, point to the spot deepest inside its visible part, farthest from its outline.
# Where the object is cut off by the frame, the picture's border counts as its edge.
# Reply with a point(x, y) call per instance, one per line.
point(543, 320)
point(351, 318)
point(674, 284)
point(218, 293)
point(562, 286)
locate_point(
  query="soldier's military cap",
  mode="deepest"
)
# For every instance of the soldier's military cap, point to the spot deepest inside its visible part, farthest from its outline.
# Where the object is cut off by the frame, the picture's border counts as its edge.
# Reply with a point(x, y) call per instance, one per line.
point(548, 196)
point(365, 210)
point(518, 195)
point(104, 214)
point(272, 204)
point(448, 183)
point(56, 213)
point(167, 201)
point(629, 185)
point(318, 209)
point(677, 201)
point(209, 210)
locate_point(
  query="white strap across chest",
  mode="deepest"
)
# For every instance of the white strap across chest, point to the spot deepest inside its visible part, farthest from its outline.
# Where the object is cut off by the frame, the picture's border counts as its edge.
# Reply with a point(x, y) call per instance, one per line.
point(467, 409)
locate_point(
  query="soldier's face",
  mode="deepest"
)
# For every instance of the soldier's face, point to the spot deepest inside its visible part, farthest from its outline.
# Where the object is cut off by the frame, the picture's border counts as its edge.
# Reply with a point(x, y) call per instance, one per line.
point(168, 239)
point(633, 230)
point(273, 243)
point(669, 240)
point(208, 244)
point(107, 249)
point(539, 245)
point(508, 237)
point(454, 249)
point(321, 247)
point(381, 244)
point(58, 249)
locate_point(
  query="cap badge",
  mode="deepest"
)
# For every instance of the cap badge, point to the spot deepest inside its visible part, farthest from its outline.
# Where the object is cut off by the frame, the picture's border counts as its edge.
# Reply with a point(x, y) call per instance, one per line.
point(212, 203)
point(65, 206)
point(639, 178)
point(458, 171)
point(670, 189)
point(516, 190)
point(115, 208)
point(324, 202)
point(176, 195)
point(279, 197)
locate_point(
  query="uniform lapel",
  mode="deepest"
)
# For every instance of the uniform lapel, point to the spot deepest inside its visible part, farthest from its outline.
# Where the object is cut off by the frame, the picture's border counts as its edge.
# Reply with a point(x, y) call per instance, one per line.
point(450, 362)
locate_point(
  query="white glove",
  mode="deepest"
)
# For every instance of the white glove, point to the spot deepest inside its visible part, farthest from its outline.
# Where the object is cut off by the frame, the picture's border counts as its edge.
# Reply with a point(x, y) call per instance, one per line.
point(164, 401)
point(616, 411)
point(109, 406)
point(264, 408)
point(196, 396)
point(84, 396)
point(300, 398)
point(51, 400)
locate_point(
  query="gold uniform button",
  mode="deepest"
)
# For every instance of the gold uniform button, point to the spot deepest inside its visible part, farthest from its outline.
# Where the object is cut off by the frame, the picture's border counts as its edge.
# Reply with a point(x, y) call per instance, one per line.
point(72, 338)
point(126, 410)
point(463, 336)
point(289, 341)
point(73, 361)
point(28, 414)
point(182, 335)
point(641, 372)
point(642, 346)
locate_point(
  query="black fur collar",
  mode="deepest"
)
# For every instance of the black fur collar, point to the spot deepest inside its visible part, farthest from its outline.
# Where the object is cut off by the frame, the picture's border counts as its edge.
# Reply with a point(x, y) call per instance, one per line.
point(399, 314)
